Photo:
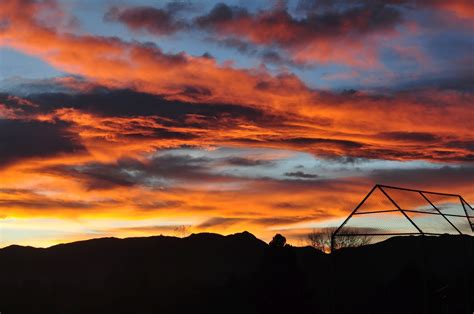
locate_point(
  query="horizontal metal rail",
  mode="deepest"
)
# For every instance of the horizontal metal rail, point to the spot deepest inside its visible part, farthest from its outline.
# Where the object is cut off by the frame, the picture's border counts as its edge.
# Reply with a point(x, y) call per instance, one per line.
point(413, 190)
point(425, 194)
point(411, 211)
point(376, 212)
point(433, 213)
point(384, 234)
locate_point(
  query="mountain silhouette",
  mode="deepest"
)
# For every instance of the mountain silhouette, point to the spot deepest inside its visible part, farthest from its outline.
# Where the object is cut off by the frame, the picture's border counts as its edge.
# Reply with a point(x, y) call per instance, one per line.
point(211, 273)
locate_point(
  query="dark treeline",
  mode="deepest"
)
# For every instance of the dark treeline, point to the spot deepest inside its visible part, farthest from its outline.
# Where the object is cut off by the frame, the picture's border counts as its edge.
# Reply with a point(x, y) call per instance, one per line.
point(209, 273)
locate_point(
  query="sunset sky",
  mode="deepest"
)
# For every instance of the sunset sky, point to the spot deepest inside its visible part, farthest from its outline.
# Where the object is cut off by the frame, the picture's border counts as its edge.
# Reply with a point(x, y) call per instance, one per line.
point(131, 118)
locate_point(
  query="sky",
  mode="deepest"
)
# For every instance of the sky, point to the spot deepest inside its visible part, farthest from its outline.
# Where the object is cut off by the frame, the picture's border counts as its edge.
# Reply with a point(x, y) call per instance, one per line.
point(135, 118)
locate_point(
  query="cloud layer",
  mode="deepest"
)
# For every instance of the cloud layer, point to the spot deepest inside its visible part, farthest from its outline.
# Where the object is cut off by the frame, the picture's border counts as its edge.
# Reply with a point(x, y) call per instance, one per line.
point(149, 138)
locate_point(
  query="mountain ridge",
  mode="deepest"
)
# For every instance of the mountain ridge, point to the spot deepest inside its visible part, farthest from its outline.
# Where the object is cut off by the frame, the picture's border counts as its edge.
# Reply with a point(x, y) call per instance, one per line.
point(238, 273)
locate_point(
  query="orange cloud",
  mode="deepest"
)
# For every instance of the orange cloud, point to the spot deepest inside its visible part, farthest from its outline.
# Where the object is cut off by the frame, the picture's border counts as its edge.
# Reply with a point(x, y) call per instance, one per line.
point(90, 155)
point(106, 60)
point(294, 205)
point(340, 120)
point(426, 125)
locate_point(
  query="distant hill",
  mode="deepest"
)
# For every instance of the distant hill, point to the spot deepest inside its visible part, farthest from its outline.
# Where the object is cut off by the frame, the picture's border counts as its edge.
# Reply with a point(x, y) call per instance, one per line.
point(210, 273)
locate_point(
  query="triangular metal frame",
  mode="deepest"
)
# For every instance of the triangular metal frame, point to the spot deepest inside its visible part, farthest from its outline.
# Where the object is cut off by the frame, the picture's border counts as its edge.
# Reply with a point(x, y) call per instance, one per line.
point(466, 207)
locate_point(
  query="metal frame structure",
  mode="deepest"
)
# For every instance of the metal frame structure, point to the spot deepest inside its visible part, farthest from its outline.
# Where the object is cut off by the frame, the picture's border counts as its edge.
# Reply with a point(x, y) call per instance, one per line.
point(404, 211)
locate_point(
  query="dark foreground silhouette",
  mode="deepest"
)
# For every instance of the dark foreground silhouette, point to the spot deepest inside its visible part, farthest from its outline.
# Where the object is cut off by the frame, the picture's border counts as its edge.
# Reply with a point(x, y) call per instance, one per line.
point(210, 273)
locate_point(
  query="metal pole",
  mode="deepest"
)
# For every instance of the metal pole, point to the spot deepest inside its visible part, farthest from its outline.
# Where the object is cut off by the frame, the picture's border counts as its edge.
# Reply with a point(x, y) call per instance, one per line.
point(465, 211)
point(413, 190)
point(401, 210)
point(347, 219)
point(421, 193)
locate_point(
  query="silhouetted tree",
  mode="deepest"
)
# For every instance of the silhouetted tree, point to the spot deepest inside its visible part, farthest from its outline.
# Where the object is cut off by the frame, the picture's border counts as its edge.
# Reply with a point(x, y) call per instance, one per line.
point(181, 231)
point(321, 239)
point(278, 241)
point(281, 279)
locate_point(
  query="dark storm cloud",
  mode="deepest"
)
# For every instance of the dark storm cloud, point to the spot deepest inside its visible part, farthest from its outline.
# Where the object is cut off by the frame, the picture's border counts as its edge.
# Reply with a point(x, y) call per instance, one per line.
point(222, 13)
point(152, 20)
point(459, 80)
point(456, 176)
point(329, 20)
point(467, 145)
point(168, 170)
point(164, 119)
point(313, 141)
point(127, 172)
point(33, 139)
point(358, 19)
point(277, 26)
point(308, 6)
point(314, 6)
point(375, 153)
point(409, 136)
point(320, 23)
point(97, 176)
point(269, 56)
point(301, 174)
point(12, 101)
point(247, 162)
point(196, 91)
point(123, 103)
point(437, 155)
point(160, 133)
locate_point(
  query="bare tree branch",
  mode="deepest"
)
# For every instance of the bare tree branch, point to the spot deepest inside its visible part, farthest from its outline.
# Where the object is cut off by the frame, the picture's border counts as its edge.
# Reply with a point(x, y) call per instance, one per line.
point(321, 239)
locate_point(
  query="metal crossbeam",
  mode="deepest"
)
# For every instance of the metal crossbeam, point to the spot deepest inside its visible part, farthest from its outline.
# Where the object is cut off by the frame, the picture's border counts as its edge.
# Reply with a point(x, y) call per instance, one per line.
point(385, 189)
